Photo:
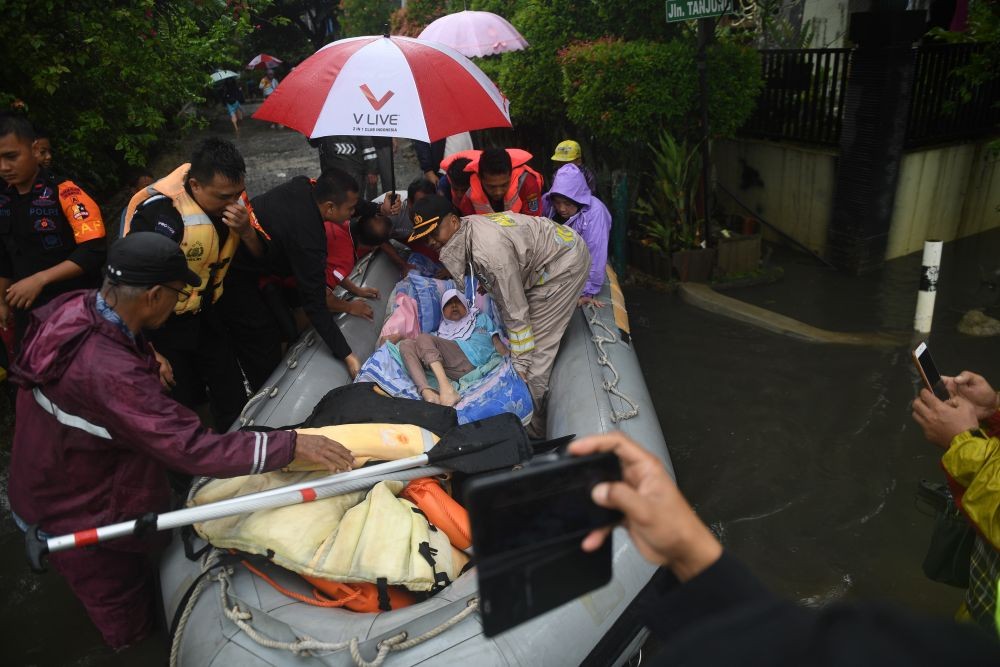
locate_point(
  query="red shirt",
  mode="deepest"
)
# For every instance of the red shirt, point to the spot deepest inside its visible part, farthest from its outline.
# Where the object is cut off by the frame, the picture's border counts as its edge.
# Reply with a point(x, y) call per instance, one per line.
point(340, 257)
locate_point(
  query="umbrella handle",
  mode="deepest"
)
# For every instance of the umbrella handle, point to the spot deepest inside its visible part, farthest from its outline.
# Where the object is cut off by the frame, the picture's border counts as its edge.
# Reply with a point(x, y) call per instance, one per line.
point(36, 549)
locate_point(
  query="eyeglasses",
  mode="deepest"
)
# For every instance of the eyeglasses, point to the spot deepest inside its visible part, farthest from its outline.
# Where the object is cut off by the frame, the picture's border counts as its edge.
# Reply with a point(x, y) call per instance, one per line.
point(182, 294)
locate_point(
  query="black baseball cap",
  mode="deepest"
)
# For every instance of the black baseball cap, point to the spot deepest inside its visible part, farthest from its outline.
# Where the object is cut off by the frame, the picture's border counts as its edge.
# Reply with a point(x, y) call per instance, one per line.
point(148, 258)
point(428, 214)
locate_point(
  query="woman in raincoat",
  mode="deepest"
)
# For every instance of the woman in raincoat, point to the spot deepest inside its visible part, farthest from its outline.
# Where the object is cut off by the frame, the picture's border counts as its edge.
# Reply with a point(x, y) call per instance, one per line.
point(571, 202)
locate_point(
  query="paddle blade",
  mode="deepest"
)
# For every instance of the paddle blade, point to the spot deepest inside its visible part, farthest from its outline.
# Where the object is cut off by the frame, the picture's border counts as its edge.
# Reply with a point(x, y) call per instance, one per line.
point(493, 443)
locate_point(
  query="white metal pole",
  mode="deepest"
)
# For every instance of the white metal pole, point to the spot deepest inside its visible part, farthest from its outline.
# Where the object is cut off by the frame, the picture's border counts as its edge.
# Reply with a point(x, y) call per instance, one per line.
point(928, 286)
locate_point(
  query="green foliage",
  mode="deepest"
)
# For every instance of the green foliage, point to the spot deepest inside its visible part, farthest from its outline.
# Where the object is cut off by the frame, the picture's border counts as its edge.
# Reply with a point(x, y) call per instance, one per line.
point(365, 17)
point(418, 14)
point(666, 214)
point(734, 82)
point(619, 91)
point(292, 29)
point(107, 80)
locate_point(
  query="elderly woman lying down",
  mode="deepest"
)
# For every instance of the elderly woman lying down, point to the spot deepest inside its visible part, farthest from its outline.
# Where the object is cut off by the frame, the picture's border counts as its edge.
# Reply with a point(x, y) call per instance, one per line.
point(465, 339)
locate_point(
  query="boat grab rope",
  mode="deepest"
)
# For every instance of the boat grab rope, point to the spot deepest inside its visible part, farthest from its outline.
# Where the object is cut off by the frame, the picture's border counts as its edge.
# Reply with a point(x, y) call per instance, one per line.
point(265, 392)
point(602, 358)
point(307, 645)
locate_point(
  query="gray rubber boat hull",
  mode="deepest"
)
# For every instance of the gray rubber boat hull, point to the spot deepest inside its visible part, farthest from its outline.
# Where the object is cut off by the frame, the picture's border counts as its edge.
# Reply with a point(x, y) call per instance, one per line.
point(569, 635)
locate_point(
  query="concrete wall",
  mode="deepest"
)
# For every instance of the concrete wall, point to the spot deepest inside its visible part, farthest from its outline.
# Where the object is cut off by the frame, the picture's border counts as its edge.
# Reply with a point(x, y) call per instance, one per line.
point(789, 186)
point(944, 193)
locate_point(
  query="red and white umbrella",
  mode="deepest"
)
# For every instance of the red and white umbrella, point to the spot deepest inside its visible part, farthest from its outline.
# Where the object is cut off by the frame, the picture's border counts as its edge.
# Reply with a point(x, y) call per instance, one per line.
point(475, 34)
point(387, 87)
point(263, 60)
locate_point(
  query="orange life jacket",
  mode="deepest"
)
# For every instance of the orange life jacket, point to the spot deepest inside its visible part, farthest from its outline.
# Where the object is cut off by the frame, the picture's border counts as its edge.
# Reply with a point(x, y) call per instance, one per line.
point(441, 510)
point(519, 173)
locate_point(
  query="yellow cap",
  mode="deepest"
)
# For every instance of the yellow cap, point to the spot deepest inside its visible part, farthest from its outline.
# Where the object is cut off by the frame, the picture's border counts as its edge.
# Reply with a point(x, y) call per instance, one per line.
point(567, 151)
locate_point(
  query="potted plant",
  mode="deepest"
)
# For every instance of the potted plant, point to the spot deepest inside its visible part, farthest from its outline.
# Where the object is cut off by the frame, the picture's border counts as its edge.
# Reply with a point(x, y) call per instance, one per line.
point(667, 219)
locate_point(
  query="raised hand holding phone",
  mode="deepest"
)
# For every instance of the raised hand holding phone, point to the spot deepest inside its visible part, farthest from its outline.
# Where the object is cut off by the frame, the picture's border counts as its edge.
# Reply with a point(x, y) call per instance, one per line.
point(929, 372)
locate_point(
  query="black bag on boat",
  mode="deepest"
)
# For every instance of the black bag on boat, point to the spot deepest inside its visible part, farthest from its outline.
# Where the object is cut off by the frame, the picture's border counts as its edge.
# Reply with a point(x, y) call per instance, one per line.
point(360, 404)
point(950, 550)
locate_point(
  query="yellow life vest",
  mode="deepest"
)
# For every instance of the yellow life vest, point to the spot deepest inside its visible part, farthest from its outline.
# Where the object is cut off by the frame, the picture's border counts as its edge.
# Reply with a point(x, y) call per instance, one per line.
point(355, 537)
point(206, 255)
point(374, 537)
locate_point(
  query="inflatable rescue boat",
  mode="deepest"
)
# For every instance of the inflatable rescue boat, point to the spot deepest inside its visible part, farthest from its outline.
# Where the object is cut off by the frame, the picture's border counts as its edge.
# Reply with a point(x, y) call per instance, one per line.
point(229, 616)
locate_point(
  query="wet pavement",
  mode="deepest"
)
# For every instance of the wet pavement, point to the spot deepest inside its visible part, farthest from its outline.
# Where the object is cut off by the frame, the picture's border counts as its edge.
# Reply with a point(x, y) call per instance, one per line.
point(802, 457)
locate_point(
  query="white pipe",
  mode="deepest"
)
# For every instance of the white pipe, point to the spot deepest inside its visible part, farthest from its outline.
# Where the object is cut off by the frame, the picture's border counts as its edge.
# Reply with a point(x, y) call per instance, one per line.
point(252, 502)
point(928, 287)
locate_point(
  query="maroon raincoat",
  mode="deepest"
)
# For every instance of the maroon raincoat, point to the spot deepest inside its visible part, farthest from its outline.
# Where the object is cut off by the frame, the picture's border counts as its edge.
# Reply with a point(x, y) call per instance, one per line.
point(93, 439)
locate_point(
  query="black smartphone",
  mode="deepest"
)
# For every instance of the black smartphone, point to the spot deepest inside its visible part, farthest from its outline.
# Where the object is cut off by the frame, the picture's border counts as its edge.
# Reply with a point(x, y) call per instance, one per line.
point(527, 526)
point(929, 372)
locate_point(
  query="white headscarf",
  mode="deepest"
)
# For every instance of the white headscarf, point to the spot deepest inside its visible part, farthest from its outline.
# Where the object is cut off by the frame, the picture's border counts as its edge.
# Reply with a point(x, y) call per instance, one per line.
point(462, 329)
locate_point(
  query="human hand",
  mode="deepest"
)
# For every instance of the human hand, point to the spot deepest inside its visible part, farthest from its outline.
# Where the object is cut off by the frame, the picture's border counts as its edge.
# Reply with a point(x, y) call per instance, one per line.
point(367, 292)
point(323, 451)
point(941, 420)
point(661, 523)
point(392, 204)
point(353, 365)
point(24, 292)
point(237, 218)
point(361, 309)
point(166, 371)
point(584, 300)
point(975, 389)
point(432, 177)
point(390, 338)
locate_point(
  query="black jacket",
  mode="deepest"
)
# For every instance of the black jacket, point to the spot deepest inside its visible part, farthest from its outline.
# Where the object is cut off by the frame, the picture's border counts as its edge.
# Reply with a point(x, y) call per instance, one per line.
point(288, 213)
point(725, 616)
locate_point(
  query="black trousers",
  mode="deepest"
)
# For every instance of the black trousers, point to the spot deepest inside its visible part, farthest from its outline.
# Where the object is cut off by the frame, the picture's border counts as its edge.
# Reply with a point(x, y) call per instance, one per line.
point(202, 355)
point(253, 317)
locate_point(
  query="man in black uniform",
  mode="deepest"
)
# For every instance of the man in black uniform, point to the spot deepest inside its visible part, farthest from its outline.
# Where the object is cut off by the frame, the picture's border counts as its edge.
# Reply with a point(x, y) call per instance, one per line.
point(292, 214)
point(201, 207)
point(51, 231)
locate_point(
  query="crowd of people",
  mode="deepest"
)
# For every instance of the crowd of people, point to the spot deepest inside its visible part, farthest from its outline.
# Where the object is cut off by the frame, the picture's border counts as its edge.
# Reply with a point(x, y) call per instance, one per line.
point(203, 286)
point(194, 296)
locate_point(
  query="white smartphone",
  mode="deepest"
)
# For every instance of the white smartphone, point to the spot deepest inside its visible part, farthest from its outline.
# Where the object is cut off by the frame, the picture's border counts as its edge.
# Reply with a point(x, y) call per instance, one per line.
point(929, 372)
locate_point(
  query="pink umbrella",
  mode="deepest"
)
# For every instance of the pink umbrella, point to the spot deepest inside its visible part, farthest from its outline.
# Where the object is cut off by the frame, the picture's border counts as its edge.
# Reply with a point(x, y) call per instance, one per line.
point(388, 87)
point(475, 34)
point(263, 60)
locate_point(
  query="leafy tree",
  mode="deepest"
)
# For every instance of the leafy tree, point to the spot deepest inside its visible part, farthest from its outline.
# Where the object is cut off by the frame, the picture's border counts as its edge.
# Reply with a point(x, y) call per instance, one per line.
point(108, 80)
point(365, 17)
point(294, 29)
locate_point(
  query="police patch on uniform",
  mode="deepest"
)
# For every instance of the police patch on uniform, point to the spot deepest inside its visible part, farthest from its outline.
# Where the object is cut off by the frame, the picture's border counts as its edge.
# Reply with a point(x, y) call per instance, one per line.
point(533, 205)
point(80, 211)
point(502, 219)
point(43, 225)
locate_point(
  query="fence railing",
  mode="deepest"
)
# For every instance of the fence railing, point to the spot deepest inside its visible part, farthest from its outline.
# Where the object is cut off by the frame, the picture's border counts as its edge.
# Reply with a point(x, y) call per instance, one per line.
point(938, 110)
point(804, 90)
point(803, 96)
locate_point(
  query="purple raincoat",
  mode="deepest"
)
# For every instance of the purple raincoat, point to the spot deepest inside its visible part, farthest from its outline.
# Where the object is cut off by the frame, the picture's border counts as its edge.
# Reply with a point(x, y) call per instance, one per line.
point(592, 221)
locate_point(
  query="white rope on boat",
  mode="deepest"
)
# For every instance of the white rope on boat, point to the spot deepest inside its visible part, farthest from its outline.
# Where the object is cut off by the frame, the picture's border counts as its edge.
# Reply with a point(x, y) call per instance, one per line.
point(602, 358)
point(175, 644)
point(265, 392)
point(306, 644)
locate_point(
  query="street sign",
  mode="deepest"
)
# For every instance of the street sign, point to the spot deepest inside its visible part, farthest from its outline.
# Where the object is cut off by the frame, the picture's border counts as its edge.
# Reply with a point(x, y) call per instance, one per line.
point(688, 10)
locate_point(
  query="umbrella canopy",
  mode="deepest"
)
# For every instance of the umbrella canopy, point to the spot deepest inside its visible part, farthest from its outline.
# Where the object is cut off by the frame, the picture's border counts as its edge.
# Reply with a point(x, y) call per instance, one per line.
point(389, 87)
point(223, 74)
point(263, 60)
point(475, 34)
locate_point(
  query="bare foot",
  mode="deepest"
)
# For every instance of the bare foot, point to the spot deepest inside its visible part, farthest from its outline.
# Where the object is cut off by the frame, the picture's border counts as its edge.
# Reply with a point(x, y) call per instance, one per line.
point(430, 396)
point(449, 396)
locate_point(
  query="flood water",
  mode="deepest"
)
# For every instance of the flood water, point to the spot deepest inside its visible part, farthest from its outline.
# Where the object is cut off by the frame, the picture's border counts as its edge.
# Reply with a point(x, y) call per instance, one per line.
point(802, 457)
